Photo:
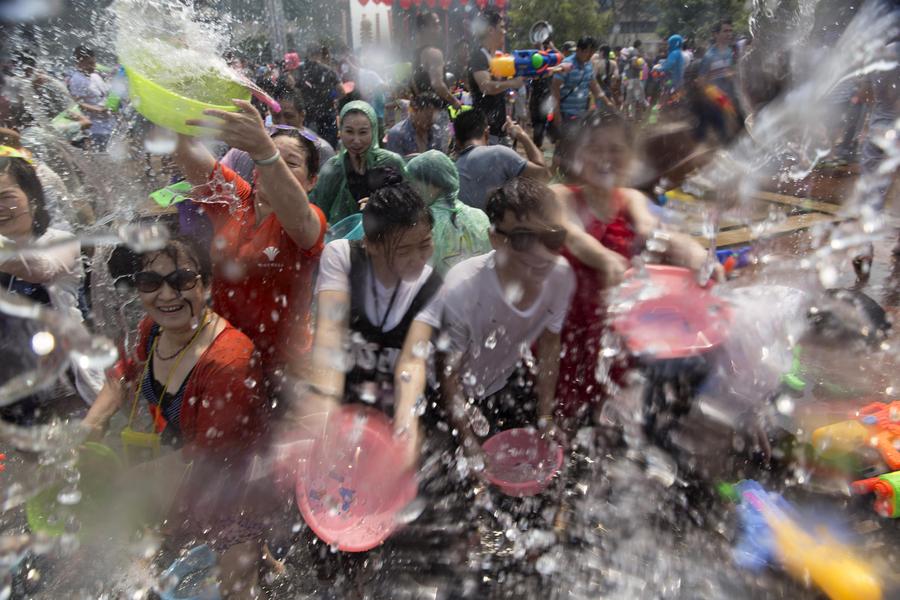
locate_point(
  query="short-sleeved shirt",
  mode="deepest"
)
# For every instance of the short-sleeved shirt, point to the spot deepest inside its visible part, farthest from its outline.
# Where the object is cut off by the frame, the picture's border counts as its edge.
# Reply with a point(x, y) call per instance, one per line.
point(401, 138)
point(317, 84)
point(262, 279)
point(494, 107)
point(490, 332)
point(718, 66)
point(575, 94)
point(334, 275)
point(91, 89)
point(483, 169)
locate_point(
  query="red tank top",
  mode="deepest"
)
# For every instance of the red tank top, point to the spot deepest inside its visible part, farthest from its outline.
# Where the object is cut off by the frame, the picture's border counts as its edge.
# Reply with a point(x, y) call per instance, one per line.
point(617, 235)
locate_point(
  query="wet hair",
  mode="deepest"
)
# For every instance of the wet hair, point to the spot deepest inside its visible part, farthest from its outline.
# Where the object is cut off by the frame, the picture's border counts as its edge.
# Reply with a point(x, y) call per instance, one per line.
point(310, 152)
point(469, 125)
point(393, 208)
point(10, 137)
point(81, 52)
point(425, 100)
point(637, 43)
point(284, 94)
point(605, 50)
point(586, 128)
point(25, 176)
point(124, 262)
point(522, 196)
point(424, 19)
point(490, 17)
point(585, 42)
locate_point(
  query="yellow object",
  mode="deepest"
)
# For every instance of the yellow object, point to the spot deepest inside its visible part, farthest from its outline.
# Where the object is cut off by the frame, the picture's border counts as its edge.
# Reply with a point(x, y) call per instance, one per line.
point(829, 566)
point(170, 109)
point(840, 438)
point(503, 66)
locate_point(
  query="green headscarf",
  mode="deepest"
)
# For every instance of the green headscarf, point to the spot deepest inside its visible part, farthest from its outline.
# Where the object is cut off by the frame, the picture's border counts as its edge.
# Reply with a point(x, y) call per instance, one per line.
point(332, 194)
point(459, 231)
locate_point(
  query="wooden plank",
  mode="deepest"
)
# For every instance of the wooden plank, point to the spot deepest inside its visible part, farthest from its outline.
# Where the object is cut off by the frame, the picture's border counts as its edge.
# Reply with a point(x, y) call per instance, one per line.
point(744, 235)
point(804, 203)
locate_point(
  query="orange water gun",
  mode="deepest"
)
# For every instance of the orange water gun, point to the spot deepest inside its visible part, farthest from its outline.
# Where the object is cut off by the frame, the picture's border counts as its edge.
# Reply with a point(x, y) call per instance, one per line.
point(876, 424)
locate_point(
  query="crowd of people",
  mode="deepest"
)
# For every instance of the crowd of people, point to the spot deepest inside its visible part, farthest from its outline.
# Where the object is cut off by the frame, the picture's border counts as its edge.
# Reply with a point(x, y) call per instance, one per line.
point(475, 284)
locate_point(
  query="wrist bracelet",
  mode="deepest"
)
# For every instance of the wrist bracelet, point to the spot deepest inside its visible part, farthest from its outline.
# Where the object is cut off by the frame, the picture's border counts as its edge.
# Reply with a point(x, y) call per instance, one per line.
point(268, 161)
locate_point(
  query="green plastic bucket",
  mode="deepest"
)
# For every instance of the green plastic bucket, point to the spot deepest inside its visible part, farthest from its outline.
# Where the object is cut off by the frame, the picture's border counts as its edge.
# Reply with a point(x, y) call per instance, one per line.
point(169, 109)
point(98, 464)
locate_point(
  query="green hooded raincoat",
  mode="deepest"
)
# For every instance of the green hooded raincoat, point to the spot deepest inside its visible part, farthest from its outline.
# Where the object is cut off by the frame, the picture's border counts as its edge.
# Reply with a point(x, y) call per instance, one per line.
point(459, 231)
point(332, 193)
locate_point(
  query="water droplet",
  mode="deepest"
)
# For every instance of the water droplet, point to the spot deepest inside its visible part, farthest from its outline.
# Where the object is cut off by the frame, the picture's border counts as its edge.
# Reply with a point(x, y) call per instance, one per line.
point(785, 404)
point(491, 341)
point(69, 496)
point(43, 343)
point(250, 383)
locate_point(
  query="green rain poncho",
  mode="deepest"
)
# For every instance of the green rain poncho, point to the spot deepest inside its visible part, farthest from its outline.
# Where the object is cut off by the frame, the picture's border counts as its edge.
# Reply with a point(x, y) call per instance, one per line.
point(460, 231)
point(332, 194)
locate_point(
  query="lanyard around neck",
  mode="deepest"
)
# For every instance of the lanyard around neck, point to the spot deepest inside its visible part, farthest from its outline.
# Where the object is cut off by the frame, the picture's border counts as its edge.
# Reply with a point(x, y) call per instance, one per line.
point(375, 298)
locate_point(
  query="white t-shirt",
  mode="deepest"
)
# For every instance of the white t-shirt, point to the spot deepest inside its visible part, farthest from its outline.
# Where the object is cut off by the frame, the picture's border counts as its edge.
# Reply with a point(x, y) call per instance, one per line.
point(488, 329)
point(334, 275)
point(91, 89)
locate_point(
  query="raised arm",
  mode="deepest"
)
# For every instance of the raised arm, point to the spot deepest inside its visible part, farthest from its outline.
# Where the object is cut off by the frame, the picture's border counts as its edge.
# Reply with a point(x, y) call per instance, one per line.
point(108, 402)
point(434, 64)
point(246, 131)
point(536, 169)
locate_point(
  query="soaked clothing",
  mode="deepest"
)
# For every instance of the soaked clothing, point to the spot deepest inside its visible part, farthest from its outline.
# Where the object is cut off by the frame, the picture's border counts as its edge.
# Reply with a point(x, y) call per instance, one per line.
point(217, 411)
point(380, 318)
point(262, 280)
point(493, 106)
point(586, 322)
point(421, 80)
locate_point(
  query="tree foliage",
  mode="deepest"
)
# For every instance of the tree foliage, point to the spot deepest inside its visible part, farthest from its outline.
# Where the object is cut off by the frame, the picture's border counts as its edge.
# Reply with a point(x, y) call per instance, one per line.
point(571, 19)
point(696, 18)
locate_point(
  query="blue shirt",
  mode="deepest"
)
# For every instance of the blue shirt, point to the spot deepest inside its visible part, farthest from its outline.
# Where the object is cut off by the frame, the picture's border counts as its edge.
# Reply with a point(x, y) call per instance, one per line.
point(575, 94)
point(401, 138)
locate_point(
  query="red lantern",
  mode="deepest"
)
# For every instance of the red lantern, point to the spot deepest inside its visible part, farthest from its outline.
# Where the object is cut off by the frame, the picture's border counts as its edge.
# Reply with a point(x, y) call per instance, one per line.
point(445, 4)
point(405, 4)
point(501, 4)
point(364, 2)
point(481, 3)
point(430, 3)
point(417, 2)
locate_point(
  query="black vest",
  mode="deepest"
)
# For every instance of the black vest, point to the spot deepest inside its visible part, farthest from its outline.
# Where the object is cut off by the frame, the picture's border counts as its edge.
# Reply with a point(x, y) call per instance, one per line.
point(375, 351)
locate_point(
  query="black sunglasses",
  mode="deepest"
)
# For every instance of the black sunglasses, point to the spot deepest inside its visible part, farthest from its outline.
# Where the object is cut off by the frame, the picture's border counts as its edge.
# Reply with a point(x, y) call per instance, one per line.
point(524, 240)
point(180, 280)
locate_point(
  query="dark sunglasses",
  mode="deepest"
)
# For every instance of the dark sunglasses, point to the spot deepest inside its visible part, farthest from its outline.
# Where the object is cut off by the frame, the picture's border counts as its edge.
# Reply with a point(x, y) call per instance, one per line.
point(524, 240)
point(180, 280)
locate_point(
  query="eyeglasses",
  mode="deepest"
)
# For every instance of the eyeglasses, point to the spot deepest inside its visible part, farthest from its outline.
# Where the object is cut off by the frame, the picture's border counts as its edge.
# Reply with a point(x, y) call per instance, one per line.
point(180, 280)
point(290, 129)
point(524, 240)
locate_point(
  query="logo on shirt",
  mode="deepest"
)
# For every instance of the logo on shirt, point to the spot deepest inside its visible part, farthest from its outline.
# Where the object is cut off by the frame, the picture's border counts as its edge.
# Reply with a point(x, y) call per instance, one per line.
point(271, 252)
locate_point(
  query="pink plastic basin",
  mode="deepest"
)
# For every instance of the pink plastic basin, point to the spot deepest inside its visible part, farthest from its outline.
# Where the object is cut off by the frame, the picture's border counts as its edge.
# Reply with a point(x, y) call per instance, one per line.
point(520, 462)
point(351, 486)
point(683, 320)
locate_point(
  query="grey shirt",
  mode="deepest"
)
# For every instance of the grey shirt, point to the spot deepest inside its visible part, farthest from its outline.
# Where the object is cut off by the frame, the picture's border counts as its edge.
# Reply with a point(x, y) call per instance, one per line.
point(483, 169)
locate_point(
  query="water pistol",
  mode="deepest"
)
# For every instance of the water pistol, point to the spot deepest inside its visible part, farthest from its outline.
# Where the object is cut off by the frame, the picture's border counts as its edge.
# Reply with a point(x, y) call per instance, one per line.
point(876, 424)
point(525, 63)
point(887, 493)
point(772, 535)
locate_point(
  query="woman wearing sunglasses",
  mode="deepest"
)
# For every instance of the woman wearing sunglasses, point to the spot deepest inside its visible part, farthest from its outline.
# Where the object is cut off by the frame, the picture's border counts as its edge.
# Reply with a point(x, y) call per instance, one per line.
point(268, 236)
point(46, 267)
point(189, 385)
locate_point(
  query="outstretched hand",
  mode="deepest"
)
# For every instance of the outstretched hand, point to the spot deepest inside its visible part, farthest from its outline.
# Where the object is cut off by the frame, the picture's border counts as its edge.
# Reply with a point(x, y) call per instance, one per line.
point(244, 129)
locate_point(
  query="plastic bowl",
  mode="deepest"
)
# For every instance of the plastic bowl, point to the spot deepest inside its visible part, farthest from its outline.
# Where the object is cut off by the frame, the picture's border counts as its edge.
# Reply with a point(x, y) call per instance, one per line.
point(520, 462)
point(170, 110)
point(97, 464)
point(348, 228)
point(190, 577)
point(350, 489)
point(679, 319)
